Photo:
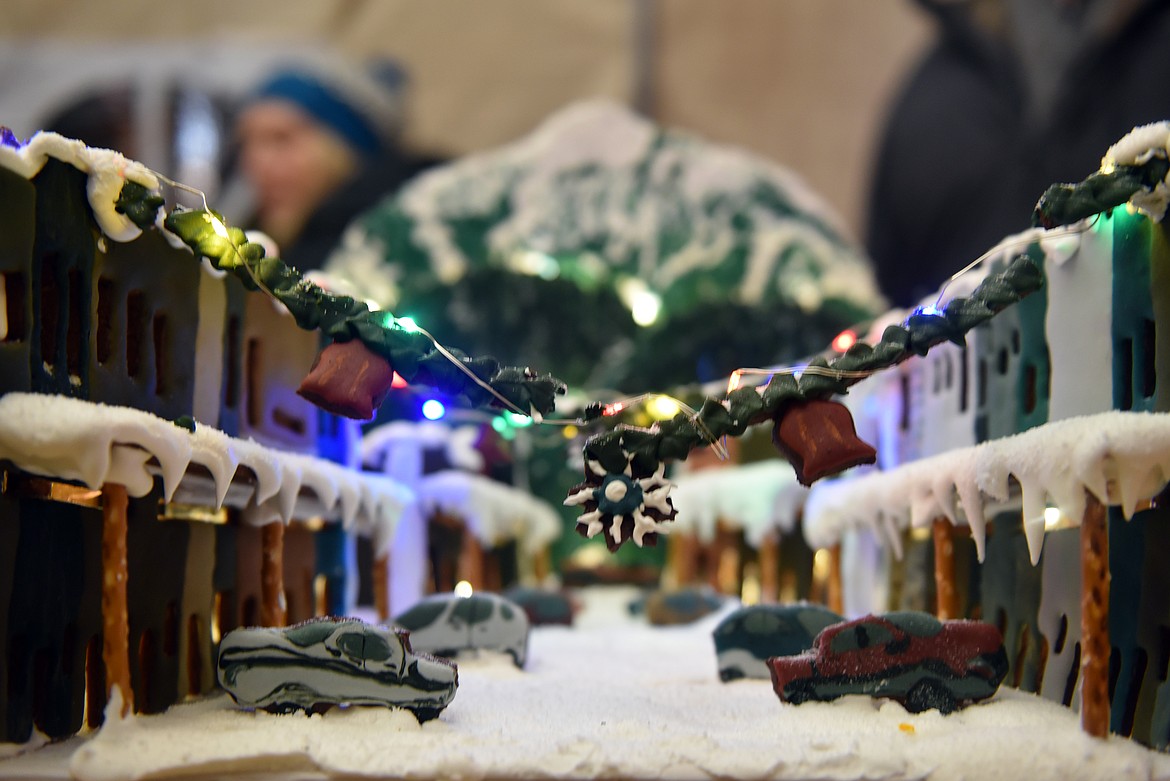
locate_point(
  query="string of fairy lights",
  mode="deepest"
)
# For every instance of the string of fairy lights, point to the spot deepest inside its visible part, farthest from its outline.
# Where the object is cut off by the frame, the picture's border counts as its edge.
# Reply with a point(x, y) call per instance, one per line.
point(662, 405)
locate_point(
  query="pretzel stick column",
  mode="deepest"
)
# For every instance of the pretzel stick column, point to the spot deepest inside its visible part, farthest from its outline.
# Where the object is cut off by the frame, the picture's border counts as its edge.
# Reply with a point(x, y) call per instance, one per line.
point(115, 616)
point(273, 608)
point(382, 587)
point(770, 568)
point(1095, 645)
point(836, 591)
point(944, 570)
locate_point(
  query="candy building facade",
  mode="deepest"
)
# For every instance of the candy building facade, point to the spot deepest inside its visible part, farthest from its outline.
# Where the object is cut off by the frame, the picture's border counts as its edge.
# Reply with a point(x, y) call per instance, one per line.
point(1095, 338)
point(91, 311)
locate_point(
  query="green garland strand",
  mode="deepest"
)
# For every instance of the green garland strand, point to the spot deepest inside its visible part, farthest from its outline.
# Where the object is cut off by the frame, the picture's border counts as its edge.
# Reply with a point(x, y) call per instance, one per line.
point(1064, 204)
point(733, 413)
point(341, 318)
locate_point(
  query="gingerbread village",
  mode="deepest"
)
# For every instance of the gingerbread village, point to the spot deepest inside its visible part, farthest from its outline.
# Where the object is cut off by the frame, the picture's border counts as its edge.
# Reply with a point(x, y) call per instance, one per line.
point(164, 483)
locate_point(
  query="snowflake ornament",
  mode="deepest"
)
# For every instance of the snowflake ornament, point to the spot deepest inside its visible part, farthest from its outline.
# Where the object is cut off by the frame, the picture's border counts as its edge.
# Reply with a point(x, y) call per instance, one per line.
point(622, 506)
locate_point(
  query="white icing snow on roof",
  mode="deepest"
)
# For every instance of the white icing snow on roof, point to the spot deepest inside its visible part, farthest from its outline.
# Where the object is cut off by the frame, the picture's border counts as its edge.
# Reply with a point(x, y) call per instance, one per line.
point(756, 497)
point(108, 172)
point(1122, 458)
point(493, 511)
point(95, 444)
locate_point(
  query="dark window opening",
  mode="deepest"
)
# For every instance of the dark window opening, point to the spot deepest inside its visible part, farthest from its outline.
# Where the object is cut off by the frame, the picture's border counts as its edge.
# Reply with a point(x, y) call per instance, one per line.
point(255, 399)
point(1016, 341)
point(194, 656)
point(50, 309)
point(981, 385)
point(232, 370)
point(161, 351)
point(1029, 389)
point(250, 614)
point(1124, 352)
point(95, 683)
point(224, 612)
point(950, 370)
point(1001, 361)
point(1129, 706)
point(171, 630)
point(14, 305)
point(74, 330)
point(1114, 671)
point(288, 421)
point(1061, 635)
point(135, 331)
point(1149, 356)
point(904, 423)
point(935, 376)
point(964, 381)
point(1163, 651)
point(1070, 686)
point(41, 674)
point(146, 654)
point(105, 320)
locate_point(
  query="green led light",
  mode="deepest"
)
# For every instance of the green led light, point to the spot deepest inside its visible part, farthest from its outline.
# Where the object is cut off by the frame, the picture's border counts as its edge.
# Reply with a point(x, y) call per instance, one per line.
point(518, 420)
point(407, 324)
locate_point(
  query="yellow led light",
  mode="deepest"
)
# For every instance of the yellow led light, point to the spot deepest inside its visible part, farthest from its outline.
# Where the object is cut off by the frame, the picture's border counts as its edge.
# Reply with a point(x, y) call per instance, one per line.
point(663, 407)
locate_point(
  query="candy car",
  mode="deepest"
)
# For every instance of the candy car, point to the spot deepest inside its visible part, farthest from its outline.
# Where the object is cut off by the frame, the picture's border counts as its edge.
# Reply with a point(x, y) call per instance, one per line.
point(680, 606)
point(543, 606)
point(910, 657)
point(329, 661)
point(748, 637)
point(445, 624)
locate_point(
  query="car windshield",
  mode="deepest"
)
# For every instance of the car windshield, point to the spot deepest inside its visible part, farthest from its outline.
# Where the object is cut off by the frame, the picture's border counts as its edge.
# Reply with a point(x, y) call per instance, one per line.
point(914, 623)
point(422, 614)
point(859, 636)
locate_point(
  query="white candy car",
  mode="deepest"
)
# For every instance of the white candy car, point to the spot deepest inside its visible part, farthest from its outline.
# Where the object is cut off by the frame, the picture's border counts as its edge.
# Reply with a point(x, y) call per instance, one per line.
point(329, 661)
point(445, 624)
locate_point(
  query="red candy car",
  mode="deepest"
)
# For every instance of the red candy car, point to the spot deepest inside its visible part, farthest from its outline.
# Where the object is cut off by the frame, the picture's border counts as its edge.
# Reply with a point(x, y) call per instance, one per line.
point(911, 657)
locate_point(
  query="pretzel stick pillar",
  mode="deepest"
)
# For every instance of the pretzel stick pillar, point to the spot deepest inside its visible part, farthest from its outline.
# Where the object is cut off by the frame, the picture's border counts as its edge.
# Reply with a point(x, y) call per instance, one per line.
point(836, 590)
point(273, 608)
point(1095, 645)
point(770, 568)
point(382, 587)
point(944, 570)
point(115, 615)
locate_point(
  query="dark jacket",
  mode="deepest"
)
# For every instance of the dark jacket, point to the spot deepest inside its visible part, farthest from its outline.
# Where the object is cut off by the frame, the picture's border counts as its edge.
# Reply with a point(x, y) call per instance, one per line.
point(322, 232)
point(964, 156)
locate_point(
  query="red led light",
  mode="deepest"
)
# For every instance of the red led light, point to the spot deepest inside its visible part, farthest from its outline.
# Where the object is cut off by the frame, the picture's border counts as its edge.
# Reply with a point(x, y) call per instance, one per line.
point(398, 382)
point(844, 340)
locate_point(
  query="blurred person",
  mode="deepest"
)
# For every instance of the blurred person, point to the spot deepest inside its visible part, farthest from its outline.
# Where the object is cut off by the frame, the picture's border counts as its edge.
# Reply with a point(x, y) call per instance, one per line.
point(318, 146)
point(1015, 95)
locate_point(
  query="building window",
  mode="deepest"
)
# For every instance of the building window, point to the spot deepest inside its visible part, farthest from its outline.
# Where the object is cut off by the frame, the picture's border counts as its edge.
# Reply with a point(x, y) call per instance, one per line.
point(13, 323)
point(50, 309)
point(105, 320)
point(252, 366)
point(1149, 358)
point(74, 330)
point(135, 331)
point(161, 353)
point(232, 359)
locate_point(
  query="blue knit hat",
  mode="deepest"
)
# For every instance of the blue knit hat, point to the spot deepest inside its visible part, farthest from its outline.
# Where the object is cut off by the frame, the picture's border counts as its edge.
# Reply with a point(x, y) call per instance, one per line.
point(364, 110)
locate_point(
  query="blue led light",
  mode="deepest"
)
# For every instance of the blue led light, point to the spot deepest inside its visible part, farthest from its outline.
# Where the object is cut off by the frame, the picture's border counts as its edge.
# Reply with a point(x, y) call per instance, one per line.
point(433, 409)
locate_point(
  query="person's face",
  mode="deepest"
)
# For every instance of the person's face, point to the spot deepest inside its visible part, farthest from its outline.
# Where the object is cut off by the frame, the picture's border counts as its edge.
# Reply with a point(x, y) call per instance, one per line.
point(292, 163)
